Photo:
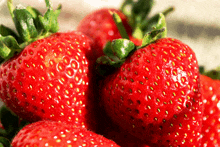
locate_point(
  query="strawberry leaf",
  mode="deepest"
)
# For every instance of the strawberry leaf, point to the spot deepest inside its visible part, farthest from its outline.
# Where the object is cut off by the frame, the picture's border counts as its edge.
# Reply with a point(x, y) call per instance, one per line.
point(116, 53)
point(122, 47)
point(4, 142)
point(159, 31)
point(148, 24)
point(8, 46)
point(49, 20)
point(5, 31)
point(151, 37)
point(24, 23)
point(118, 50)
point(136, 10)
point(36, 14)
point(30, 26)
point(108, 50)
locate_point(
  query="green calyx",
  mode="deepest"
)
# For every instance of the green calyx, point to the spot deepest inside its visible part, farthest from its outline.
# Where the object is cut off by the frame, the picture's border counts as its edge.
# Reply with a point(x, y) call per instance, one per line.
point(214, 73)
point(158, 31)
point(117, 51)
point(138, 12)
point(30, 26)
point(11, 125)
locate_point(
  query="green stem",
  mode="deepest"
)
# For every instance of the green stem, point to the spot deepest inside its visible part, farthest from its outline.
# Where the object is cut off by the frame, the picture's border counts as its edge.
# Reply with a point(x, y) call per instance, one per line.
point(168, 10)
point(119, 25)
point(11, 8)
point(48, 4)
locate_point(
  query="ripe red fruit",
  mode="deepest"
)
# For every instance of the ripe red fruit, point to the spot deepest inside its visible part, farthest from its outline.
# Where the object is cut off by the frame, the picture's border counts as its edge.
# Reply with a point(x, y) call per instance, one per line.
point(113, 132)
point(50, 79)
point(155, 94)
point(48, 133)
point(101, 28)
point(211, 116)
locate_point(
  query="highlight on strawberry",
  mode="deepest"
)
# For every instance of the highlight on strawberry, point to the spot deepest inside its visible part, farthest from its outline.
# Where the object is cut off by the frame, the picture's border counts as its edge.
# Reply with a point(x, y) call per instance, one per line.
point(149, 90)
point(44, 74)
point(210, 83)
point(57, 134)
point(154, 91)
point(100, 26)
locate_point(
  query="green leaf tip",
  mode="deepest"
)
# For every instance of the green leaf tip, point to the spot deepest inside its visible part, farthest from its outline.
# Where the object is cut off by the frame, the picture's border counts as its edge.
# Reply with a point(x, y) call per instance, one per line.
point(8, 46)
point(49, 21)
point(137, 12)
point(30, 25)
point(159, 31)
point(24, 23)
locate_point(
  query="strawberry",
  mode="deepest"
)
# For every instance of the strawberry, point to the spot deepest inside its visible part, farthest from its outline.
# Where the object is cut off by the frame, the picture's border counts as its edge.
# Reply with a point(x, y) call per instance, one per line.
point(154, 92)
point(100, 25)
point(49, 133)
point(119, 136)
point(50, 77)
point(211, 100)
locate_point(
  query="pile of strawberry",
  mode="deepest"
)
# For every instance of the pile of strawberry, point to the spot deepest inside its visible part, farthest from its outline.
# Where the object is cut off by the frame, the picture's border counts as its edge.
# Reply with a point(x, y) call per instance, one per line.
point(115, 81)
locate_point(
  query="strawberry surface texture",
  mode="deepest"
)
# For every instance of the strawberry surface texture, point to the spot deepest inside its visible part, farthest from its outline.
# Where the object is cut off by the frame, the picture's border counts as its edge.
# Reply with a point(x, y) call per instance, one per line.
point(55, 134)
point(155, 95)
point(101, 28)
point(50, 79)
point(117, 80)
point(211, 121)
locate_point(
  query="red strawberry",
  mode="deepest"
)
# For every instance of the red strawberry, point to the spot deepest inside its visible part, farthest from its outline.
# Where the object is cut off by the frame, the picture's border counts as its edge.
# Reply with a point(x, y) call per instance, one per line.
point(211, 116)
point(121, 137)
point(50, 79)
point(100, 26)
point(155, 92)
point(49, 133)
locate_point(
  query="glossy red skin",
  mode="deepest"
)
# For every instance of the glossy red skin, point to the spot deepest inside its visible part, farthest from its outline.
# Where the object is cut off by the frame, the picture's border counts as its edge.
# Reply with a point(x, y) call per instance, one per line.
point(121, 137)
point(50, 79)
point(100, 26)
point(211, 117)
point(113, 132)
point(49, 133)
point(155, 95)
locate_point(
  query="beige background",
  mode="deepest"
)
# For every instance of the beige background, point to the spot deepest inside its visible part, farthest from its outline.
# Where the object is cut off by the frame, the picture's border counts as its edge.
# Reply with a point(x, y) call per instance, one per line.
point(195, 22)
